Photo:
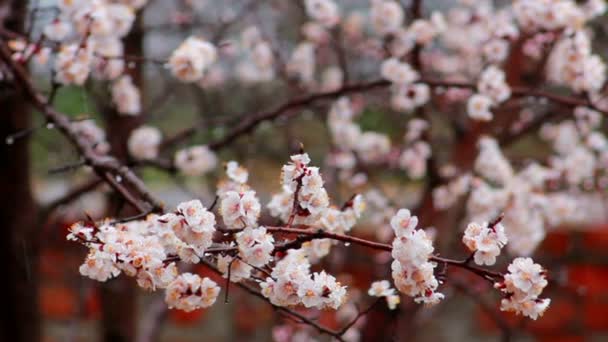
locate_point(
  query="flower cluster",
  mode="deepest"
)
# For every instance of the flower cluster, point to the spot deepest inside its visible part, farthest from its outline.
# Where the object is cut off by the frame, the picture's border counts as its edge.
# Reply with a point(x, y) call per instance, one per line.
point(92, 134)
point(386, 16)
point(301, 64)
point(492, 89)
point(414, 157)
point(189, 292)
point(126, 96)
point(399, 73)
point(553, 15)
point(323, 11)
point(235, 181)
point(491, 163)
point(23, 51)
point(407, 97)
point(513, 193)
point(88, 35)
point(447, 195)
point(240, 209)
point(108, 62)
point(255, 246)
point(195, 160)
point(370, 147)
point(579, 146)
point(144, 142)
point(332, 79)
point(236, 172)
point(424, 31)
point(237, 268)
point(373, 147)
point(258, 65)
point(383, 288)
point(343, 220)
point(142, 248)
point(191, 59)
point(291, 283)
point(527, 198)
point(73, 64)
point(305, 201)
point(485, 240)
point(303, 188)
point(522, 287)
point(193, 224)
point(412, 271)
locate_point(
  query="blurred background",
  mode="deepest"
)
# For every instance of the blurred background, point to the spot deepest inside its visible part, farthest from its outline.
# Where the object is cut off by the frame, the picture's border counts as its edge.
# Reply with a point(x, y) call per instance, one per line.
point(73, 307)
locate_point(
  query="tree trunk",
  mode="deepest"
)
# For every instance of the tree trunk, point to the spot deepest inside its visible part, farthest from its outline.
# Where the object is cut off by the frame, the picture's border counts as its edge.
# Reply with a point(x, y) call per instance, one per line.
point(118, 296)
point(18, 246)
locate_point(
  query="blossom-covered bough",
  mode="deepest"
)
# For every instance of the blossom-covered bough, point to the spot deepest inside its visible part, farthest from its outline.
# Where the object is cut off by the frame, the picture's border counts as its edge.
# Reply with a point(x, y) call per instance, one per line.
point(261, 257)
point(456, 64)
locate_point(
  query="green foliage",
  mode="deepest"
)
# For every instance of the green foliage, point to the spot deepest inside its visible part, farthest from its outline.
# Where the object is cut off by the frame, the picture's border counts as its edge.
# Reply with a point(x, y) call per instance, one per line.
point(373, 119)
point(74, 101)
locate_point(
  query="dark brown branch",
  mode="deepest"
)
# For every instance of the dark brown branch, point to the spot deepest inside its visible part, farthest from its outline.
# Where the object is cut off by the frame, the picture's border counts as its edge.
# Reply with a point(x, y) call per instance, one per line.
point(520, 91)
point(252, 121)
point(321, 234)
point(116, 184)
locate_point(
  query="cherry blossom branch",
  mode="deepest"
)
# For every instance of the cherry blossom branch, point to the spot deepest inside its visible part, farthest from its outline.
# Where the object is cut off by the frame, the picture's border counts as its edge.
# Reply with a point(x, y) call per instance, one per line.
point(521, 91)
point(105, 166)
point(309, 234)
point(132, 190)
point(321, 234)
point(296, 203)
point(301, 318)
point(251, 121)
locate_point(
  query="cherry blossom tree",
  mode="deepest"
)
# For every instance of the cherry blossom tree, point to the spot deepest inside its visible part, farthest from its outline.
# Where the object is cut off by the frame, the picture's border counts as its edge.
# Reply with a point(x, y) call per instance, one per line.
point(457, 87)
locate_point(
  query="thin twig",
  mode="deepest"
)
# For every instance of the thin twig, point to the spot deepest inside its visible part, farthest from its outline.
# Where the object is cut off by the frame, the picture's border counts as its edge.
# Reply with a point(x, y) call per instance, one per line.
point(66, 168)
point(287, 311)
point(359, 315)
